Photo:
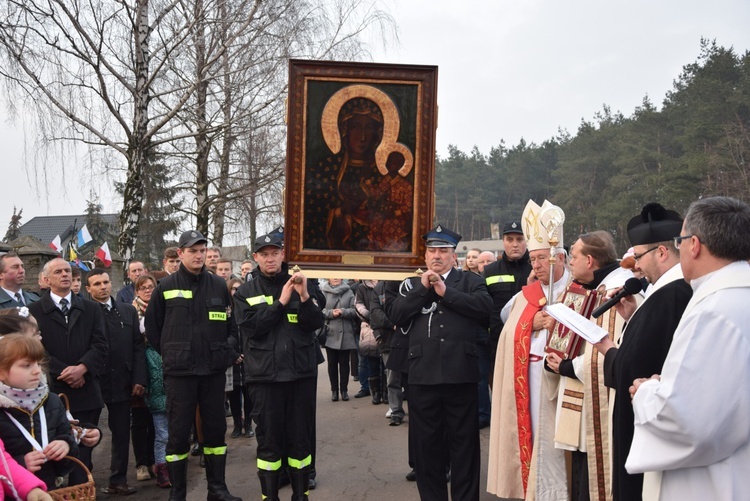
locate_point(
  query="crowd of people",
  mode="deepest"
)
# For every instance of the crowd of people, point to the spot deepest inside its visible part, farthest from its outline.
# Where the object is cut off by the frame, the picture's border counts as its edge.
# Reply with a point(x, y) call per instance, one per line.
point(655, 409)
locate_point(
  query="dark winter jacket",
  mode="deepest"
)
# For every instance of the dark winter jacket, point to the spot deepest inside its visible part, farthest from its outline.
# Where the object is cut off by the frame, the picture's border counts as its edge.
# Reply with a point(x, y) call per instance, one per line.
point(382, 327)
point(444, 330)
point(58, 428)
point(126, 364)
point(187, 322)
point(278, 341)
point(79, 340)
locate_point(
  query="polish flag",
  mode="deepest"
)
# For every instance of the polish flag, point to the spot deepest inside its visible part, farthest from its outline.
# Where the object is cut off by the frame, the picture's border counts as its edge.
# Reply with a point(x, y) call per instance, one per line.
point(56, 245)
point(104, 255)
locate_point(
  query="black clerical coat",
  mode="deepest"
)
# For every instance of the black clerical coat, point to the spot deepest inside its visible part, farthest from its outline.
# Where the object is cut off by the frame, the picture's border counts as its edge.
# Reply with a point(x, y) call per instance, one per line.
point(645, 343)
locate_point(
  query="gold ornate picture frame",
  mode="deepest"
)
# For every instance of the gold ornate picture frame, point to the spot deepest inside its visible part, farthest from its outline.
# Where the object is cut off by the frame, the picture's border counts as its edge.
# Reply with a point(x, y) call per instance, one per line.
point(360, 169)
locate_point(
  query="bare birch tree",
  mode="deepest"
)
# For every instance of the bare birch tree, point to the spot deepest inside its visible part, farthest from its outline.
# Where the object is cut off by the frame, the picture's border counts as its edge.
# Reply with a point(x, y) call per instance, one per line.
point(139, 78)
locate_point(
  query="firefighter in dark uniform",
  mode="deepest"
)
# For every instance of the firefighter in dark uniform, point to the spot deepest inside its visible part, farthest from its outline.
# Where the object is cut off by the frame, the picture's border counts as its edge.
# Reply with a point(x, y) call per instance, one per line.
point(505, 277)
point(278, 314)
point(448, 310)
point(187, 322)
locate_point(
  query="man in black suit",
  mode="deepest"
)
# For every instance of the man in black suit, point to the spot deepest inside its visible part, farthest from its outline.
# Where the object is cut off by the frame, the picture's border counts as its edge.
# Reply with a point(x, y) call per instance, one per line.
point(448, 310)
point(77, 346)
point(12, 276)
point(125, 375)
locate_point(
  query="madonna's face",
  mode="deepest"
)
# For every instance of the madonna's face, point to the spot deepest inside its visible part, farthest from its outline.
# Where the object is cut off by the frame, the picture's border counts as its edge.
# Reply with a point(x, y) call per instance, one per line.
point(362, 136)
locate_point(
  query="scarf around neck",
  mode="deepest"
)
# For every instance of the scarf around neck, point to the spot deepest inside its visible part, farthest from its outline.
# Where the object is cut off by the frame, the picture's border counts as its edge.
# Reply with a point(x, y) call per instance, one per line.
point(140, 306)
point(27, 400)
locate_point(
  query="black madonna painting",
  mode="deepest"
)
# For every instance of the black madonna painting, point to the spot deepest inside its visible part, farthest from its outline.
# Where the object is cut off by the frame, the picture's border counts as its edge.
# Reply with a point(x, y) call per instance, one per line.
point(360, 163)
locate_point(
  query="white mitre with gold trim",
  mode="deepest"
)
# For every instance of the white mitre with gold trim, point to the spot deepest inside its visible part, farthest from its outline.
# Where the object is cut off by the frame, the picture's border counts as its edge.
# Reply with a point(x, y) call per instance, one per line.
point(536, 220)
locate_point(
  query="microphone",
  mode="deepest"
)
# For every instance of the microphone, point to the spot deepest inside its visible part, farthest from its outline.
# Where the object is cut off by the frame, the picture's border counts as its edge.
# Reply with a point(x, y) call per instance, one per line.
point(632, 286)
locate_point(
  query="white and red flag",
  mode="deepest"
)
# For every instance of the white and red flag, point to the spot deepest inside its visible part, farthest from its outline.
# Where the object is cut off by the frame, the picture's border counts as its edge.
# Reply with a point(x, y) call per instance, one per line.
point(56, 245)
point(104, 255)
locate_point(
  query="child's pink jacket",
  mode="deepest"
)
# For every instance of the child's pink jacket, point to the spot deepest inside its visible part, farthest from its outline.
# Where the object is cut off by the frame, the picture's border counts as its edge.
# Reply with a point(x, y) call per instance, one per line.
point(14, 476)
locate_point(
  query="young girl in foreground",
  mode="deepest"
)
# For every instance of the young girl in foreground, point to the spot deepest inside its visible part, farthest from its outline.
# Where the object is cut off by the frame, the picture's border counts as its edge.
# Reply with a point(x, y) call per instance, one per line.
point(33, 423)
point(20, 321)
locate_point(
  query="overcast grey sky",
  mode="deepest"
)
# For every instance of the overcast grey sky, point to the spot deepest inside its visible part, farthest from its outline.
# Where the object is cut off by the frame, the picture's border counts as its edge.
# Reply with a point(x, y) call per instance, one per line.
point(507, 70)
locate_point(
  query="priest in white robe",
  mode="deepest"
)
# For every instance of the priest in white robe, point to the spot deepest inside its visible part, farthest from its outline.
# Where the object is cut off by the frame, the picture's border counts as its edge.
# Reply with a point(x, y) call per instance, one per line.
point(691, 422)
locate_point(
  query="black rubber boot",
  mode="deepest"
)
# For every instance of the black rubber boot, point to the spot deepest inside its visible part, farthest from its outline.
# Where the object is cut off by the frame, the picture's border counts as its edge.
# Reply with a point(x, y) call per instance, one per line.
point(375, 390)
point(269, 484)
point(300, 483)
point(178, 477)
point(216, 465)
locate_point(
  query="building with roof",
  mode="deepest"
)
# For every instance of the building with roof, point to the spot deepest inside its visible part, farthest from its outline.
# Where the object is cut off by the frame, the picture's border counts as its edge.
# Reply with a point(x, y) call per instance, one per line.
point(46, 228)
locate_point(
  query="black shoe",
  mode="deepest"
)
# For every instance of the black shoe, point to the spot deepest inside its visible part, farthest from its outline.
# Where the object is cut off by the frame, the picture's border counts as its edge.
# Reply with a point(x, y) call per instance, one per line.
point(411, 476)
point(483, 423)
point(237, 432)
point(119, 490)
point(249, 433)
point(202, 461)
point(345, 396)
point(313, 484)
point(396, 421)
point(196, 450)
point(362, 393)
point(334, 396)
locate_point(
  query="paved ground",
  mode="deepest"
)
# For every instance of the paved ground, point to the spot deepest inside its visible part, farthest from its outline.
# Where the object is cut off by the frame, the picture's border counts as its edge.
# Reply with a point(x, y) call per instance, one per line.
point(360, 457)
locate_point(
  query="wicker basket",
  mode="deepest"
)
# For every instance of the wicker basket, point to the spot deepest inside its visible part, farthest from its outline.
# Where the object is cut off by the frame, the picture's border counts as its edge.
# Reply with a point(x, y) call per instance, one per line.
point(81, 492)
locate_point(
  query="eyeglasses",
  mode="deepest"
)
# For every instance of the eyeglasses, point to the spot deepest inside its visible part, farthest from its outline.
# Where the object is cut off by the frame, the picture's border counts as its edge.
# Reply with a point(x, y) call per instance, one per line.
point(147, 288)
point(638, 256)
point(678, 240)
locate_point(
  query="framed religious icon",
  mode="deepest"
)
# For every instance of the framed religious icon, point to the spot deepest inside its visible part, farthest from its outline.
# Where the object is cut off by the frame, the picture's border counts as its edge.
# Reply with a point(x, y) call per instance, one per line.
point(360, 169)
point(562, 340)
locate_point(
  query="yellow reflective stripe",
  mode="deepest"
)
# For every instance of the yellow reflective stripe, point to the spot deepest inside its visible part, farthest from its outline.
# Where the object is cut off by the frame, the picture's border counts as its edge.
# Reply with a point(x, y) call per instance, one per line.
point(215, 451)
point(269, 466)
point(178, 293)
point(217, 315)
point(252, 301)
point(292, 317)
point(500, 278)
point(299, 464)
point(171, 458)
